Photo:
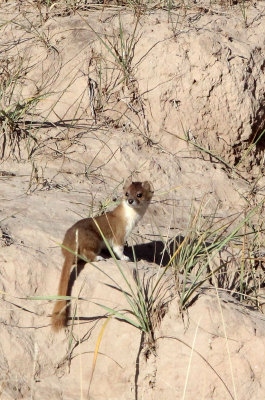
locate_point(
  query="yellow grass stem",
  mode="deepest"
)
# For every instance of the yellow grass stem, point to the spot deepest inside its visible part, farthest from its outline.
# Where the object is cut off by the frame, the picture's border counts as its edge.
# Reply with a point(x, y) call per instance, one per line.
point(224, 328)
point(189, 365)
point(96, 352)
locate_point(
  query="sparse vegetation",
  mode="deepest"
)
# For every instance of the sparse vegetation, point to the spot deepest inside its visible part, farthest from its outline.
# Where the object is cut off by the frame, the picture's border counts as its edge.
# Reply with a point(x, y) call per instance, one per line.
point(14, 109)
point(221, 244)
point(64, 119)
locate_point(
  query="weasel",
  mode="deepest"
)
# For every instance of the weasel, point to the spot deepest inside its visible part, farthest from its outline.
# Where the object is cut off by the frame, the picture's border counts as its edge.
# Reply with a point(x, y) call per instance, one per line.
point(115, 225)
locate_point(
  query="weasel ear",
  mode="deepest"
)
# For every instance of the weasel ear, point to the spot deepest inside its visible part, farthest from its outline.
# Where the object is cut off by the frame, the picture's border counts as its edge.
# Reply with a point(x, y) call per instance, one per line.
point(148, 186)
point(127, 183)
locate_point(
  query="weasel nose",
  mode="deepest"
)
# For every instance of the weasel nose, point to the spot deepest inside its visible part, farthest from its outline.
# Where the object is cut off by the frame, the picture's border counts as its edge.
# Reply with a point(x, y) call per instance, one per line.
point(130, 201)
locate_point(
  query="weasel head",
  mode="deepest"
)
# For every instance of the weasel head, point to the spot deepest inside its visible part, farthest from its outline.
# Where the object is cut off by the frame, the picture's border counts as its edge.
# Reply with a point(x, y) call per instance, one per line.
point(138, 194)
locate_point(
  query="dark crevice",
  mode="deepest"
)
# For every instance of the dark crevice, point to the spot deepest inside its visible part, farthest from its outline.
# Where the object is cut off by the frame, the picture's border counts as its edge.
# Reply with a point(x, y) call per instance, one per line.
point(137, 365)
point(5, 237)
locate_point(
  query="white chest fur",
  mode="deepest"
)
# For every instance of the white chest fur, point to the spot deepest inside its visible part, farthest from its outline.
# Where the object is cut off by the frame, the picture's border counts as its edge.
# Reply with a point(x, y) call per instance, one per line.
point(132, 217)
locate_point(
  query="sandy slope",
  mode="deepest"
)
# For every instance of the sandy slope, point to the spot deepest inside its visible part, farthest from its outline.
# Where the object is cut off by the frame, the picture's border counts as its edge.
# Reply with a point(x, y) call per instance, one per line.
point(209, 78)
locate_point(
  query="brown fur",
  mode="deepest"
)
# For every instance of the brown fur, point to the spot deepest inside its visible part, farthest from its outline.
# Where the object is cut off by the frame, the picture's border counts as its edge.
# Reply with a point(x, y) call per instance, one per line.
point(89, 242)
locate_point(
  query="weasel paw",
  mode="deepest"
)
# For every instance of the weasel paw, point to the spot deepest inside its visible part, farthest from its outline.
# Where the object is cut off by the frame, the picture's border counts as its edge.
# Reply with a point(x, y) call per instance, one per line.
point(99, 258)
point(125, 258)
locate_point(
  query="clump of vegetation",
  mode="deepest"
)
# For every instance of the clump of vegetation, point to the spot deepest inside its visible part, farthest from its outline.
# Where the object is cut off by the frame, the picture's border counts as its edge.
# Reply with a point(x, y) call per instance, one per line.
point(227, 249)
point(14, 109)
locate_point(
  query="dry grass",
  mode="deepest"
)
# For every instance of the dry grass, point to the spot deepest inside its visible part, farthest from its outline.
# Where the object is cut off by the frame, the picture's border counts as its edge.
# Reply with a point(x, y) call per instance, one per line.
point(25, 133)
point(225, 254)
point(110, 76)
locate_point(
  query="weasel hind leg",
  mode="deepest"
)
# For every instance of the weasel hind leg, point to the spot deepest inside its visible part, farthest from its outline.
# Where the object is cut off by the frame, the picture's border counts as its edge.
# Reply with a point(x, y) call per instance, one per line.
point(89, 254)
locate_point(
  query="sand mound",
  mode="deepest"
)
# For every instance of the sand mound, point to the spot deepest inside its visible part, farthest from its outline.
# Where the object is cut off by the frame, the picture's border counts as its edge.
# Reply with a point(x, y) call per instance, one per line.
point(89, 96)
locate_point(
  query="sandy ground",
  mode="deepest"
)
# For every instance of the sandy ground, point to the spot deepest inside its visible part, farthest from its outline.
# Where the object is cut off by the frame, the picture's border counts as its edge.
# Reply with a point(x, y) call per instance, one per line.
point(198, 78)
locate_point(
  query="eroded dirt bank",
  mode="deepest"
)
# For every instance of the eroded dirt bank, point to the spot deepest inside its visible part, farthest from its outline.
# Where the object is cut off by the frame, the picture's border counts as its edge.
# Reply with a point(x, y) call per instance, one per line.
point(90, 96)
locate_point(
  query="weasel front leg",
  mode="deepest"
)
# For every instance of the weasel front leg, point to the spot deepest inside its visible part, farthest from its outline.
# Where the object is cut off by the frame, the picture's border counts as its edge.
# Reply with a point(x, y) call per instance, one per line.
point(118, 250)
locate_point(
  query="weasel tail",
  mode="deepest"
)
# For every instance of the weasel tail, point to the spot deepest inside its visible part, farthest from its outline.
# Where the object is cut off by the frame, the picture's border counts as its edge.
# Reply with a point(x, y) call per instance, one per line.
point(59, 315)
point(115, 225)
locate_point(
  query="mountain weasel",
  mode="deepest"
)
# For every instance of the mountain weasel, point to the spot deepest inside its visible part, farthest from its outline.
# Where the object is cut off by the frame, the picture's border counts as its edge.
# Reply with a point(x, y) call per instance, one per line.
point(115, 225)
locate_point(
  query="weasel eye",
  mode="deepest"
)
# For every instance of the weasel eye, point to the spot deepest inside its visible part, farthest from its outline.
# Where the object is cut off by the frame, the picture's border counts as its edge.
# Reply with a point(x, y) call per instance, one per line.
point(126, 194)
point(139, 194)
